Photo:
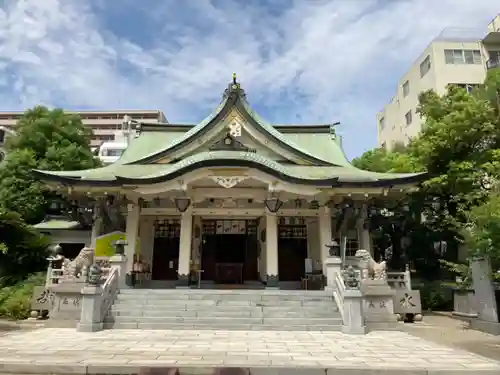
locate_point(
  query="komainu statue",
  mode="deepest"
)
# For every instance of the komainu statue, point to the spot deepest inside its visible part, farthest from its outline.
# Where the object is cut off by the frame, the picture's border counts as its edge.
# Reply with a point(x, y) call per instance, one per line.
point(376, 271)
point(72, 270)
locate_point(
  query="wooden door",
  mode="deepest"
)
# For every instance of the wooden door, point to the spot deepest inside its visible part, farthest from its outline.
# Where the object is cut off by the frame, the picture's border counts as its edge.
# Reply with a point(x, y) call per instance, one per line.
point(251, 269)
point(208, 256)
point(166, 250)
point(292, 252)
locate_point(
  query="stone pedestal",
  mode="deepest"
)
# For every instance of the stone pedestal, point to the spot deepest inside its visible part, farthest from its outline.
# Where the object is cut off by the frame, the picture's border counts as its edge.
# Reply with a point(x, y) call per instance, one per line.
point(353, 317)
point(464, 303)
point(332, 266)
point(484, 295)
point(378, 305)
point(90, 317)
point(66, 308)
point(119, 261)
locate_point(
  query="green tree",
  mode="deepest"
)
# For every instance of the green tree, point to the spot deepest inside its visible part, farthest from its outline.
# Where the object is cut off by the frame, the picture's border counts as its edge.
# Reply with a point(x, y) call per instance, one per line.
point(22, 250)
point(482, 232)
point(45, 139)
point(383, 161)
point(458, 146)
point(402, 218)
point(491, 89)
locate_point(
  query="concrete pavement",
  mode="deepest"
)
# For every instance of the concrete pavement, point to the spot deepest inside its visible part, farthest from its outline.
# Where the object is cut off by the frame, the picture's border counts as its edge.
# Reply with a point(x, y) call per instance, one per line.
point(65, 351)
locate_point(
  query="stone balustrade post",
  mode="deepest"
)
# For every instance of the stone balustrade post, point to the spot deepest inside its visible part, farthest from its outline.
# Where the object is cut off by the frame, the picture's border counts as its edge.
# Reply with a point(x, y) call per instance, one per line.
point(352, 313)
point(119, 261)
point(90, 318)
point(333, 265)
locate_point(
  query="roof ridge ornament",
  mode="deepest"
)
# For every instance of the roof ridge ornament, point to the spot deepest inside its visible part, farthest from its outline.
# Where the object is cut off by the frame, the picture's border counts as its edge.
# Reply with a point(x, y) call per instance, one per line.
point(333, 130)
point(234, 87)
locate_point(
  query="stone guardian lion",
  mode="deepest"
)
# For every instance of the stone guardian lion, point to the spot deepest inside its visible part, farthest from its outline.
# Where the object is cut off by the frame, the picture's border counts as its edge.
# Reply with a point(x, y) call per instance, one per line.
point(376, 271)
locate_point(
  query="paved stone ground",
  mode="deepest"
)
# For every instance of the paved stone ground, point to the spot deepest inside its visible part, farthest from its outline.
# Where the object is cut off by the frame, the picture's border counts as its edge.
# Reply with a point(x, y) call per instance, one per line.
point(67, 351)
point(455, 333)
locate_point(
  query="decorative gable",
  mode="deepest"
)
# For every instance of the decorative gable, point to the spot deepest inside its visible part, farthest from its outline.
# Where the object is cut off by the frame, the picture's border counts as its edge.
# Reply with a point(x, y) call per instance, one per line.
point(229, 143)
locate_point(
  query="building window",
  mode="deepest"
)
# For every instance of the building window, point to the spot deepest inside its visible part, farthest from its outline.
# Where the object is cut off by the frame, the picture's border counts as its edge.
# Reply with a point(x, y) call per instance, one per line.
point(461, 56)
point(408, 117)
point(469, 87)
point(381, 123)
point(406, 88)
point(425, 66)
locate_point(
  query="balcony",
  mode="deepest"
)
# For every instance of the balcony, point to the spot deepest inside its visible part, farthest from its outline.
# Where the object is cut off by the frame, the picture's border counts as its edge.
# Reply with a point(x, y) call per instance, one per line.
point(493, 63)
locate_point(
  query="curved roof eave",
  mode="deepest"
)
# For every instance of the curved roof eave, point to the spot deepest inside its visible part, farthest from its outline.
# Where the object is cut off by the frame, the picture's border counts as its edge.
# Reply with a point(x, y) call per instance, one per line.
point(333, 181)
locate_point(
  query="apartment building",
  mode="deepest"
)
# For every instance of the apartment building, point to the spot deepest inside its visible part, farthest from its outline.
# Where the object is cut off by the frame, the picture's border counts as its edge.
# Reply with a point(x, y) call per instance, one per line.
point(491, 44)
point(104, 124)
point(458, 60)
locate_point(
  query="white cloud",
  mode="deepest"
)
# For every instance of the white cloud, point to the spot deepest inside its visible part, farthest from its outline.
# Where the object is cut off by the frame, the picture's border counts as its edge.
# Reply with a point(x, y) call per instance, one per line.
point(319, 61)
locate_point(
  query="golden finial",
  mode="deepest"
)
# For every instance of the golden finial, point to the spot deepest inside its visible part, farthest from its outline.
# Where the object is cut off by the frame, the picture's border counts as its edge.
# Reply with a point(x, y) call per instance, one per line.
point(234, 78)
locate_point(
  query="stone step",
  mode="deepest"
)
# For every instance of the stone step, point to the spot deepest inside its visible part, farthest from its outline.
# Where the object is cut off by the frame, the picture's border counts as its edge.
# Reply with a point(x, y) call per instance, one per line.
point(320, 306)
point(251, 292)
point(224, 297)
point(220, 326)
point(214, 302)
point(224, 309)
point(226, 320)
point(223, 313)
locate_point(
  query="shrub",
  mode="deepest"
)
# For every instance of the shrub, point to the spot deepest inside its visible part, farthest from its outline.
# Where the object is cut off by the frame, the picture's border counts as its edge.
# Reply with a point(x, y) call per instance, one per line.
point(436, 296)
point(15, 300)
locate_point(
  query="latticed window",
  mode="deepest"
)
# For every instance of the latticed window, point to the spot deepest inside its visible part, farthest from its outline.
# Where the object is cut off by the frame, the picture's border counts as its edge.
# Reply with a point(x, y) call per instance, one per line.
point(292, 227)
point(352, 245)
point(167, 228)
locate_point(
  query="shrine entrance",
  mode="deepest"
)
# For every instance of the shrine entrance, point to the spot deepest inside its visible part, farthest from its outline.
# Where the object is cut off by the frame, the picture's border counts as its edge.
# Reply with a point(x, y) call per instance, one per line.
point(292, 248)
point(166, 249)
point(229, 251)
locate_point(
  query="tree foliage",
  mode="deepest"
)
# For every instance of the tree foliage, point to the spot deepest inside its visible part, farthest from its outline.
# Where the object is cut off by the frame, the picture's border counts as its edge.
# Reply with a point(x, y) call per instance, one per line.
point(22, 250)
point(45, 139)
point(482, 232)
point(382, 161)
point(459, 146)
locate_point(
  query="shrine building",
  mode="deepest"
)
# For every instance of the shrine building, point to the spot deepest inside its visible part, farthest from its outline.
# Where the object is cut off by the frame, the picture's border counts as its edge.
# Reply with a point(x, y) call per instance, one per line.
point(242, 200)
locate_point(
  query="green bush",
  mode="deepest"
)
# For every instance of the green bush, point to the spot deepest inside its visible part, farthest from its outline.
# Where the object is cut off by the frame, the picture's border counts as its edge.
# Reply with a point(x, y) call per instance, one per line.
point(436, 296)
point(15, 300)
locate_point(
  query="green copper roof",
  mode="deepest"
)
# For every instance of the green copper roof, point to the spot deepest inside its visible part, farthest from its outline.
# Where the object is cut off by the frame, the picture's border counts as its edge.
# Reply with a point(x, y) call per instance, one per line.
point(57, 223)
point(328, 163)
point(155, 173)
point(148, 143)
point(154, 142)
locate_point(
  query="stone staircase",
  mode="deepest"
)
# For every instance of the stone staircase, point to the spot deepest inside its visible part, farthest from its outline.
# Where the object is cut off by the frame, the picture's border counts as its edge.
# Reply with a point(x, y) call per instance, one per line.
point(290, 310)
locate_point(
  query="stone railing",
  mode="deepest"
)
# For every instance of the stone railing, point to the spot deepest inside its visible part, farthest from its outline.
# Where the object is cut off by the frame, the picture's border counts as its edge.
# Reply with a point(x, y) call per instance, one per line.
point(399, 280)
point(338, 293)
point(99, 297)
point(54, 276)
point(110, 289)
point(347, 285)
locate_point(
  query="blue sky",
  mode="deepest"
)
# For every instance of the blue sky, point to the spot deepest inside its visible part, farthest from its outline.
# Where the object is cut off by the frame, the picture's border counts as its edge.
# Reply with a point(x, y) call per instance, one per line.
point(300, 61)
